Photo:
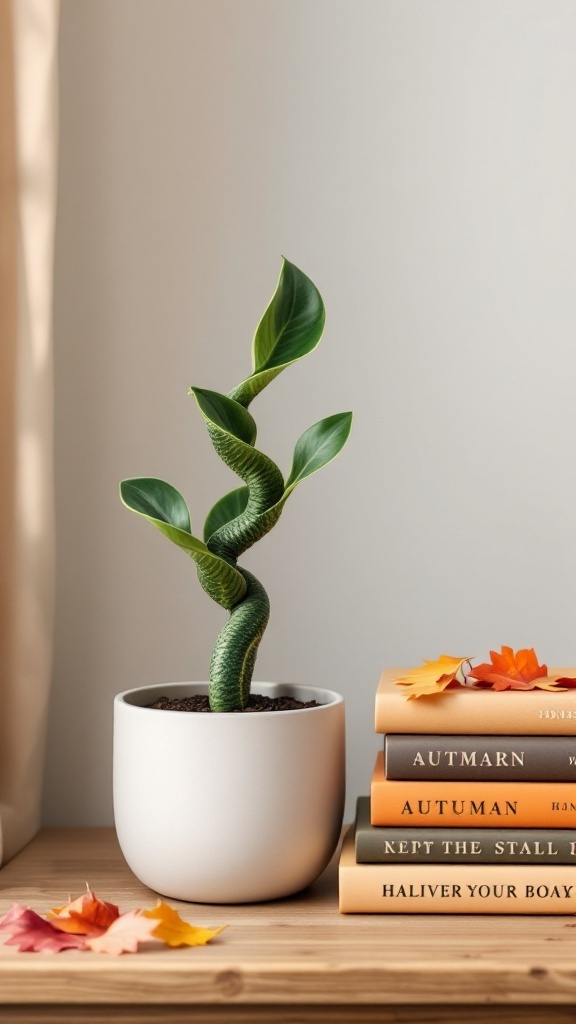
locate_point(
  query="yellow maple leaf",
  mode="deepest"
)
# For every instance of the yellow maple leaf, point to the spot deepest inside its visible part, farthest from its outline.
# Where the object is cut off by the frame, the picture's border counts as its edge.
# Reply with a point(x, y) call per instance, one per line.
point(174, 931)
point(432, 677)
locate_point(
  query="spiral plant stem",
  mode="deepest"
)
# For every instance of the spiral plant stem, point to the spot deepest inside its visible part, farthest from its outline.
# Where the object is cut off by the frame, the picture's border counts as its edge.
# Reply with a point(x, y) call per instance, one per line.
point(236, 647)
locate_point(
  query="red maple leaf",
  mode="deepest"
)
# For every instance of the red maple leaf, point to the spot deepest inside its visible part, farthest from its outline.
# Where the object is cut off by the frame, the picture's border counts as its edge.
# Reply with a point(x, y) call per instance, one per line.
point(30, 933)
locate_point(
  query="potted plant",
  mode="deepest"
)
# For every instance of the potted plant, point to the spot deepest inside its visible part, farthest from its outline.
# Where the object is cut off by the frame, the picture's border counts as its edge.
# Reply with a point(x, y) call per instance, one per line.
point(240, 801)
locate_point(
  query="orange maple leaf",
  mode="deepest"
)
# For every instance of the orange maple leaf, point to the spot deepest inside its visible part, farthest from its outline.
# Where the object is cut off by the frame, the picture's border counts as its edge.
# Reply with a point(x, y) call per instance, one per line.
point(85, 916)
point(124, 934)
point(171, 929)
point(432, 677)
point(509, 671)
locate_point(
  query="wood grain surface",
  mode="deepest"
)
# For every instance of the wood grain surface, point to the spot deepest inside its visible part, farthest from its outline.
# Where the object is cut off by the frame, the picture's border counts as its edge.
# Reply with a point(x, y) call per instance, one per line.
point(293, 960)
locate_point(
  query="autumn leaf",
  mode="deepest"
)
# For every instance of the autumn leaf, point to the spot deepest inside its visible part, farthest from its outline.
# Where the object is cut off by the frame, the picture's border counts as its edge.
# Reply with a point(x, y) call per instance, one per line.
point(31, 933)
point(433, 676)
point(174, 931)
point(92, 924)
point(124, 934)
point(509, 671)
point(85, 916)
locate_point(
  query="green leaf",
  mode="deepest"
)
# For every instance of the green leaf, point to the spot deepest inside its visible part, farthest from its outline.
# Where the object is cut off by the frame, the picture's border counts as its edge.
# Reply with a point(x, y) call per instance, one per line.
point(156, 499)
point(317, 446)
point(164, 507)
point(293, 322)
point(225, 413)
point(290, 328)
point(225, 510)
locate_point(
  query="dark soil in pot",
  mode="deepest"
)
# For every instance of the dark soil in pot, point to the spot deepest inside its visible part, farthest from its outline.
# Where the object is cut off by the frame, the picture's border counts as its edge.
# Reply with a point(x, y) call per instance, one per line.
point(256, 702)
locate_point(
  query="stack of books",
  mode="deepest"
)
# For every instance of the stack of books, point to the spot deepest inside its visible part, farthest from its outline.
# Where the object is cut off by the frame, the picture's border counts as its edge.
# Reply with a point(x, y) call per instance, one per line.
point(472, 805)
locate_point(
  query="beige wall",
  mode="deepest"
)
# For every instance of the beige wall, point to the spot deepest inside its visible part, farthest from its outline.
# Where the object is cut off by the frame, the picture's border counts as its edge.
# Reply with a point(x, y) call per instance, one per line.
point(417, 158)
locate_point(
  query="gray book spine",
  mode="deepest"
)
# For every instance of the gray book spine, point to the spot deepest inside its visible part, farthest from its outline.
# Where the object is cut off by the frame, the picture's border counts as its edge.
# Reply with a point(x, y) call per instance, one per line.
point(487, 758)
point(382, 845)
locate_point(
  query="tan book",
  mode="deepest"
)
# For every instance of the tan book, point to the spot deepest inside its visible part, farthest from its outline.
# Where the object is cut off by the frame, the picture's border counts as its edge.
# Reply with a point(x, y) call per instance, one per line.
point(470, 710)
point(453, 888)
point(473, 804)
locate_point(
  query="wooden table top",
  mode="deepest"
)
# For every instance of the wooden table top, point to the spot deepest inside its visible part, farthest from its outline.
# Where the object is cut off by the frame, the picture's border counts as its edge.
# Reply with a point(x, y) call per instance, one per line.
point(299, 952)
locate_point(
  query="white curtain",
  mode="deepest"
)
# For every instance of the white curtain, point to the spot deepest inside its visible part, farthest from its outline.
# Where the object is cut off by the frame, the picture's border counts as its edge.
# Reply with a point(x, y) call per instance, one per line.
point(28, 56)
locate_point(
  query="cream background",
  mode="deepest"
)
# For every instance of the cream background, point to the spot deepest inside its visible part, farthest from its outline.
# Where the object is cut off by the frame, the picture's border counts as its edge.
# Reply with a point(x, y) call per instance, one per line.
point(418, 160)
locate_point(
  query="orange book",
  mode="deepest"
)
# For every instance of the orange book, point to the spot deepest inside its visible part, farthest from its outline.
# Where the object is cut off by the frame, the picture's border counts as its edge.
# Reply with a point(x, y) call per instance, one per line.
point(453, 888)
point(467, 710)
point(471, 804)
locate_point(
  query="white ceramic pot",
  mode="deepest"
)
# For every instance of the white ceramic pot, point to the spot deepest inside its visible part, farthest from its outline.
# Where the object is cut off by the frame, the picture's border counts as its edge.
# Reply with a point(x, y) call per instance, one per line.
point(228, 808)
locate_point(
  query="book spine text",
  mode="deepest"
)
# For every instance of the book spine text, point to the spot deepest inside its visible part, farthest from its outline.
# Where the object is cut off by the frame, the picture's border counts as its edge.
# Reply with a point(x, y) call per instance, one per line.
point(385, 845)
point(475, 804)
point(480, 757)
point(453, 889)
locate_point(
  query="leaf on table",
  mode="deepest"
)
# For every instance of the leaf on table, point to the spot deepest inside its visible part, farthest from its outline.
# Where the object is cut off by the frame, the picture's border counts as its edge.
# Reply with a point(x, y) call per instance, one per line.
point(16, 911)
point(124, 934)
point(85, 916)
point(92, 924)
point(434, 676)
point(520, 671)
point(174, 931)
point(31, 933)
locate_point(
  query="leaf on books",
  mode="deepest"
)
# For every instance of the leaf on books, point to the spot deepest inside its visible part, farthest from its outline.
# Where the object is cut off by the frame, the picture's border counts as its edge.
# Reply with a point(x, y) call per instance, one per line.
point(124, 934)
point(85, 916)
point(434, 676)
point(31, 933)
point(564, 682)
point(174, 931)
point(509, 671)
